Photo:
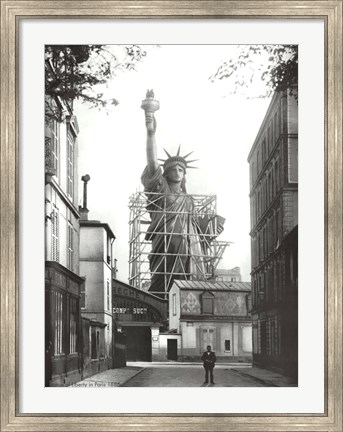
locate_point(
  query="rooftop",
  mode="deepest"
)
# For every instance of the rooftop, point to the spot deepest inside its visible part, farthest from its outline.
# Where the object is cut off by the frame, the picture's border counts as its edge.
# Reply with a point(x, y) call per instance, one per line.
point(97, 224)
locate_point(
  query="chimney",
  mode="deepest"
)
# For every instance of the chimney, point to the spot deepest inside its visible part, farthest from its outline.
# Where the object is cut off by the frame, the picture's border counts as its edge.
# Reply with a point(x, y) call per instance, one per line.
point(84, 210)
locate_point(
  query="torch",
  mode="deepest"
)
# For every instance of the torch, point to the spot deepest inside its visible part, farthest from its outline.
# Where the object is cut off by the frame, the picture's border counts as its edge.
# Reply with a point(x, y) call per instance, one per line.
point(150, 105)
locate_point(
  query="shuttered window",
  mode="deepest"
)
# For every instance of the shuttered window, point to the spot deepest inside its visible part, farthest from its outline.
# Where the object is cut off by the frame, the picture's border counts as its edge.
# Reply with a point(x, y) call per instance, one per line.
point(70, 246)
point(108, 295)
point(55, 137)
point(52, 139)
point(55, 256)
point(70, 164)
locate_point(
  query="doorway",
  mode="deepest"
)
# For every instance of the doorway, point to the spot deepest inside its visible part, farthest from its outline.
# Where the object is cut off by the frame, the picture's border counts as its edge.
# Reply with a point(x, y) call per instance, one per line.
point(172, 349)
point(138, 344)
point(208, 338)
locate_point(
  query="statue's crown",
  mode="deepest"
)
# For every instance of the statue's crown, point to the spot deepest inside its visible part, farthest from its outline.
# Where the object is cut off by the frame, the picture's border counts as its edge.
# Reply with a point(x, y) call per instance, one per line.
point(176, 160)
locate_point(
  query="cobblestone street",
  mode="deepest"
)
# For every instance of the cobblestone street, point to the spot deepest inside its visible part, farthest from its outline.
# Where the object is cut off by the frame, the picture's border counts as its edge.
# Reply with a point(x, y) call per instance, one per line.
point(142, 374)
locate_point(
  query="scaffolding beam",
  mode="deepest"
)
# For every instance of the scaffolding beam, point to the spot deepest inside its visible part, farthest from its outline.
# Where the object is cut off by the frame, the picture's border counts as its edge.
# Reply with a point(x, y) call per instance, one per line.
point(200, 266)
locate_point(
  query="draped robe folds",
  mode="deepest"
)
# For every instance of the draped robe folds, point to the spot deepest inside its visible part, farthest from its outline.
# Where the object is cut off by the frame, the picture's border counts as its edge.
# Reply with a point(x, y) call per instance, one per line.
point(174, 232)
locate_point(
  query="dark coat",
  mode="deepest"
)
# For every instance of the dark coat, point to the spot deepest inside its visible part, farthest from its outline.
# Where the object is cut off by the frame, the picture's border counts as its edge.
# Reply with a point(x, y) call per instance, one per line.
point(209, 360)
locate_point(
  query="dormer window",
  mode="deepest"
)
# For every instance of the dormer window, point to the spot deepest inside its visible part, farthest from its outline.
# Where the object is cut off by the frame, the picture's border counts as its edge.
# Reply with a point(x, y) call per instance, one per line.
point(207, 303)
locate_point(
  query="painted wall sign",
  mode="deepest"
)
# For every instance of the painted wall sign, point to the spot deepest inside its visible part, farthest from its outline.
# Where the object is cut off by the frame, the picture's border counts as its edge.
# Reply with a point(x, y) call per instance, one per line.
point(134, 311)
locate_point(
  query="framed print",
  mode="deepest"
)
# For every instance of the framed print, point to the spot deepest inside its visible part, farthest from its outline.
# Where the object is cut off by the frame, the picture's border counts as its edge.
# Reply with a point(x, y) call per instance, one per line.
point(122, 287)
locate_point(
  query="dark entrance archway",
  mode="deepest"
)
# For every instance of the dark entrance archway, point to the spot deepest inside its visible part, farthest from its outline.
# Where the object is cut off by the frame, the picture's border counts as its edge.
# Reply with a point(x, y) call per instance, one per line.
point(138, 343)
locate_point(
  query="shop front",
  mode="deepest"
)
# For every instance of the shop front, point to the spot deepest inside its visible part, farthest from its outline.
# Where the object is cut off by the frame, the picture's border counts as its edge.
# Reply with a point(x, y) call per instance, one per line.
point(139, 317)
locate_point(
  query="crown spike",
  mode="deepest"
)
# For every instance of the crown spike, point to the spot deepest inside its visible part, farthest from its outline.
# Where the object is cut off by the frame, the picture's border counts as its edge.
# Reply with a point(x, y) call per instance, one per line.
point(167, 153)
point(177, 159)
point(194, 160)
point(188, 155)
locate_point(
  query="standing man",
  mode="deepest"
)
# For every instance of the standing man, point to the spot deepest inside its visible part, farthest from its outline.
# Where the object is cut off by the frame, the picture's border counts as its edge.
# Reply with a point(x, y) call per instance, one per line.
point(209, 359)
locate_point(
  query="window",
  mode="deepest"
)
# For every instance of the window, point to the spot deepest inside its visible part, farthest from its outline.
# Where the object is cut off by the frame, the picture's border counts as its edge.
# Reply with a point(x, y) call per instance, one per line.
point(270, 143)
point(55, 135)
point(52, 139)
point(227, 345)
point(258, 164)
point(55, 255)
point(293, 161)
point(276, 230)
point(70, 247)
point(265, 243)
point(73, 325)
point(264, 194)
point(252, 174)
point(276, 167)
point(260, 245)
point(174, 304)
point(276, 126)
point(270, 235)
point(70, 164)
point(109, 251)
point(57, 308)
point(264, 151)
point(108, 295)
point(208, 338)
point(95, 343)
point(207, 303)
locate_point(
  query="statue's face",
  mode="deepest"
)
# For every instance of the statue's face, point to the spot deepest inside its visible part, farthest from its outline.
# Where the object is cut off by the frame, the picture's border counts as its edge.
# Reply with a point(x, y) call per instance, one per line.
point(175, 174)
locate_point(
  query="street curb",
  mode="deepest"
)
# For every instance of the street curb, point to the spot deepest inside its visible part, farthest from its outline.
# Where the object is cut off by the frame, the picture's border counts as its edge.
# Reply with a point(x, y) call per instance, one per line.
point(132, 376)
point(254, 378)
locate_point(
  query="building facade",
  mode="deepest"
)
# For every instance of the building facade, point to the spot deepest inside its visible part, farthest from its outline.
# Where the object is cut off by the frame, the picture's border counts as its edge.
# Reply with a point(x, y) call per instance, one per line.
point(210, 313)
point(62, 280)
point(273, 162)
point(96, 266)
point(228, 275)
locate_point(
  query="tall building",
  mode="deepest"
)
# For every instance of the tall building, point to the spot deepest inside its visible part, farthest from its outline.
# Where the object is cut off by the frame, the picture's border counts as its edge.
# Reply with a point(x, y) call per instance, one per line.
point(273, 162)
point(62, 280)
point(96, 265)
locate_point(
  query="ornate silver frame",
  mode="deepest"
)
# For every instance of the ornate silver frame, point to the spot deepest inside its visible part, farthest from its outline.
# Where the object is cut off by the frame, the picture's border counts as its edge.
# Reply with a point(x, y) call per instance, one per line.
point(11, 12)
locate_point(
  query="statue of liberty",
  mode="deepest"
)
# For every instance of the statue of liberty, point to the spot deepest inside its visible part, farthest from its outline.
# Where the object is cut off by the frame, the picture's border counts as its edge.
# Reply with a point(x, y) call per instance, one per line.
point(176, 232)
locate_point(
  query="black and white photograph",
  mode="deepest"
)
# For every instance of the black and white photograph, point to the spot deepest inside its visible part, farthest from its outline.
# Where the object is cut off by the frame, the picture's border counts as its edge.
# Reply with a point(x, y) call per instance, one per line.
point(157, 160)
point(171, 215)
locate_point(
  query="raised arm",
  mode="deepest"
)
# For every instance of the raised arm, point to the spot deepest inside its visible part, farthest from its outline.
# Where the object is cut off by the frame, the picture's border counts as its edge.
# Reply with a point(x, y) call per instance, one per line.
point(150, 105)
point(151, 151)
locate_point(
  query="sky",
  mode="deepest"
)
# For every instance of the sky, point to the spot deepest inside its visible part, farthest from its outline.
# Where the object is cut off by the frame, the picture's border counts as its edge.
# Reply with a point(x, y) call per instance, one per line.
point(196, 113)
